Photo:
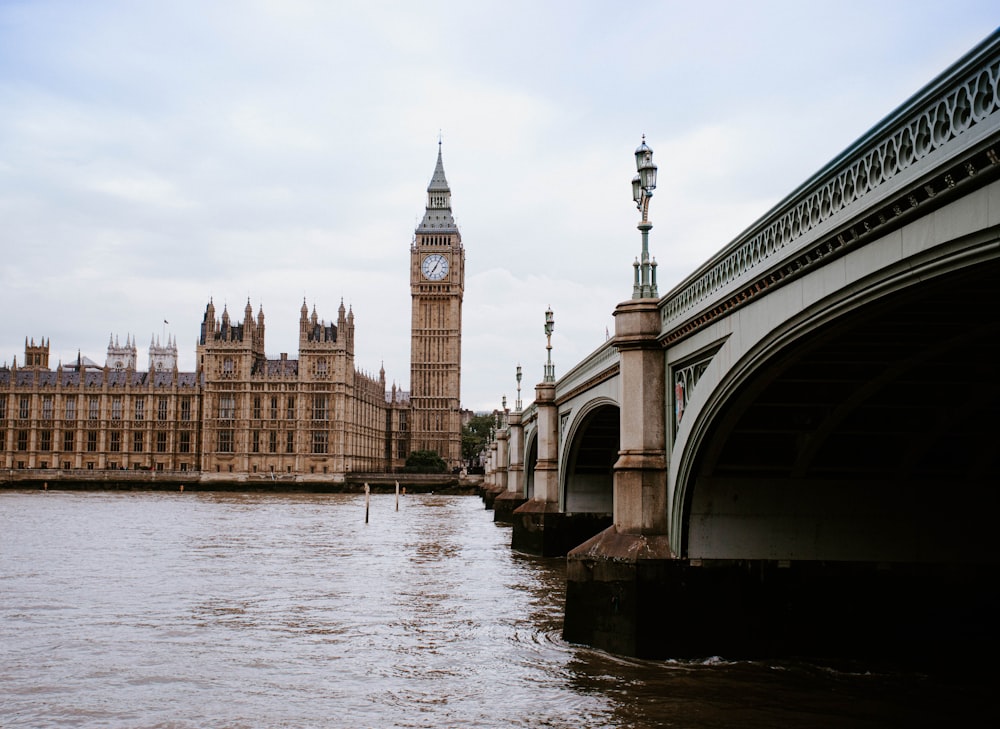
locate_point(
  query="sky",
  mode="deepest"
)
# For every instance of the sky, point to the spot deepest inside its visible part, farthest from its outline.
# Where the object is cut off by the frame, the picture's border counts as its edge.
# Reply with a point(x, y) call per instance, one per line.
point(154, 156)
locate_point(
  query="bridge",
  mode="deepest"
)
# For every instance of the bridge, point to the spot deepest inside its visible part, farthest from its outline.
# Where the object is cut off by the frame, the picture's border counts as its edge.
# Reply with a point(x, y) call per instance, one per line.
point(794, 449)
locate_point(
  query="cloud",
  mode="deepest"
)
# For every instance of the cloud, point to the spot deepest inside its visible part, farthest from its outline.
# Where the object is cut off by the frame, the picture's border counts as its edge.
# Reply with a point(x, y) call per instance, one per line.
point(154, 156)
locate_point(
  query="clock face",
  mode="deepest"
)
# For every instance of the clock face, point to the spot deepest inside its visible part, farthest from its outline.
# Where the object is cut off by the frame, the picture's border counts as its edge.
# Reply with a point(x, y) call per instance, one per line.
point(434, 267)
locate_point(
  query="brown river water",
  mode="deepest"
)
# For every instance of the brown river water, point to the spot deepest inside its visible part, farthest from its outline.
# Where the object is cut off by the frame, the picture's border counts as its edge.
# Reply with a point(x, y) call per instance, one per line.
point(151, 609)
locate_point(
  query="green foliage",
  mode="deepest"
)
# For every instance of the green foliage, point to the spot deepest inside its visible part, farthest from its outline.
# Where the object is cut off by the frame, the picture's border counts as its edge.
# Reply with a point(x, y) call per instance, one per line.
point(425, 462)
point(475, 435)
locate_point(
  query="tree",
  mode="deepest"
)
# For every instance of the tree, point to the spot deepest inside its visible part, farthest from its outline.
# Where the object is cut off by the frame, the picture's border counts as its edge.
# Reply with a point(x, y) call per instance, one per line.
point(475, 435)
point(425, 462)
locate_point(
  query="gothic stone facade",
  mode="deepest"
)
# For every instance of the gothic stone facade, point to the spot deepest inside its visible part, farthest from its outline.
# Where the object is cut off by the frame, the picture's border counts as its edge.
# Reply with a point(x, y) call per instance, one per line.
point(239, 416)
point(242, 416)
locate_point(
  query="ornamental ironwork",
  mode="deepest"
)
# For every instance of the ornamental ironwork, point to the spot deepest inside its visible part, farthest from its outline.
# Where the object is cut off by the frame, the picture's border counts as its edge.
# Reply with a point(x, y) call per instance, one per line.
point(926, 125)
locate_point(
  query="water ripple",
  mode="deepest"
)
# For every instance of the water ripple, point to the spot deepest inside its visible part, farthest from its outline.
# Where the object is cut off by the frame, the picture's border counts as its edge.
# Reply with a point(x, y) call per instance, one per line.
point(264, 610)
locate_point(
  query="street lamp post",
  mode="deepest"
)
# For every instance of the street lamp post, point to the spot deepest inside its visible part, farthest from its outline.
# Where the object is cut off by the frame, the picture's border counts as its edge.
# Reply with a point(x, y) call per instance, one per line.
point(517, 403)
point(643, 185)
point(550, 325)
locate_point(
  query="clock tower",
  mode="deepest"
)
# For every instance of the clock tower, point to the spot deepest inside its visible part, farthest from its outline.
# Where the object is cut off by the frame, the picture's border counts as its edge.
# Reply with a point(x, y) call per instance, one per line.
point(437, 281)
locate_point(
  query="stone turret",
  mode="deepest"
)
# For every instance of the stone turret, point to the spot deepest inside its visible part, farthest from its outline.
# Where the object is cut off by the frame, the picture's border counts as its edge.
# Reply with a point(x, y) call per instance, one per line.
point(349, 331)
point(36, 355)
point(121, 357)
point(162, 357)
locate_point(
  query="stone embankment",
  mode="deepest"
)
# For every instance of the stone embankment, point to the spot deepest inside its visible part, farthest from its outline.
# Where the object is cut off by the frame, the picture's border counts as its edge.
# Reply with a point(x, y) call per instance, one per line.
point(111, 480)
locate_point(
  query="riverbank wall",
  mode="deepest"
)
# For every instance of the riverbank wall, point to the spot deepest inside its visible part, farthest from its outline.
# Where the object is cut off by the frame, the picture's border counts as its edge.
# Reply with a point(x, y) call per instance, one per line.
point(106, 480)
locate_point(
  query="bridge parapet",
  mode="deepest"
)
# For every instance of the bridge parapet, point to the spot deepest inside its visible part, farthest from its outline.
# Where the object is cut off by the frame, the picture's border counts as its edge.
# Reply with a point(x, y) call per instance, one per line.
point(598, 365)
point(938, 141)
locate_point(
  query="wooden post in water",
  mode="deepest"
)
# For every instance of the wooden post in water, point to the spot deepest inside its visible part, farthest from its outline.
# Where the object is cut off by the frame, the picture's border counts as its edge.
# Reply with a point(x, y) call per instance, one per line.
point(367, 499)
point(397, 496)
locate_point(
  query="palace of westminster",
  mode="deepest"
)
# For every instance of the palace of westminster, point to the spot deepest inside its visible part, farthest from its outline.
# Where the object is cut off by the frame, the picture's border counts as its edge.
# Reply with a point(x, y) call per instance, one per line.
point(241, 415)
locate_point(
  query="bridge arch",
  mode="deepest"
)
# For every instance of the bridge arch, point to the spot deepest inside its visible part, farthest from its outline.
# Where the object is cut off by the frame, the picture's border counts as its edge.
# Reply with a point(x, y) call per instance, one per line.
point(863, 428)
point(586, 471)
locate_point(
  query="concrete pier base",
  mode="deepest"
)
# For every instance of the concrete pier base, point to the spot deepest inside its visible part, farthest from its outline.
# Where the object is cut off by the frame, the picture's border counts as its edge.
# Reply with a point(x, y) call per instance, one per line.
point(489, 495)
point(627, 595)
point(504, 505)
point(544, 531)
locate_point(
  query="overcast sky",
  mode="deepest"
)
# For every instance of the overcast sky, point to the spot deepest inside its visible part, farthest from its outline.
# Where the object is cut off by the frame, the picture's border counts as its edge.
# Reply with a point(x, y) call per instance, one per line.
point(154, 155)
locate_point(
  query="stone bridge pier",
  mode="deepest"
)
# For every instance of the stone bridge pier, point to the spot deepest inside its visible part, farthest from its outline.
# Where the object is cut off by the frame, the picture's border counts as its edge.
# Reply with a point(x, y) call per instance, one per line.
point(511, 497)
point(614, 578)
point(537, 521)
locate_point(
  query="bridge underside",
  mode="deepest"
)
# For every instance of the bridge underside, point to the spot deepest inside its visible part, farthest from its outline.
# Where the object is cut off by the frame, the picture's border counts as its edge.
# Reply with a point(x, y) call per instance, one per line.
point(845, 497)
point(843, 501)
point(589, 484)
point(875, 438)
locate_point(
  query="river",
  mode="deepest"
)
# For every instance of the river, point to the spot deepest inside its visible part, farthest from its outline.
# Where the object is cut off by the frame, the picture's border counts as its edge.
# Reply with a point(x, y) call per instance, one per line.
point(152, 609)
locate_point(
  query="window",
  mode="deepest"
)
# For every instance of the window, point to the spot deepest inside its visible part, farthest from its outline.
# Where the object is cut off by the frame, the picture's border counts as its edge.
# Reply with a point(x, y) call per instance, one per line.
point(45, 440)
point(225, 441)
point(256, 441)
point(94, 408)
point(274, 408)
point(3, 407)
point(71, 407)
point(227, 407)
point(272, 442)
point(137, 441)
point(140, 408)
point(25, 407)
point(116, 408)
point(161, 408)
point(290, 412)
point(91, 441)
point(116, 441)
point(256, 408)
point(227, 367)
point(161, 442)
point(185, 442)
point(185, 408)
point(68, 440)
point(290, 442)
point(321, 367)
point(22, 440)
point(319, 441)
point(320, 403)
point(47, 407)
